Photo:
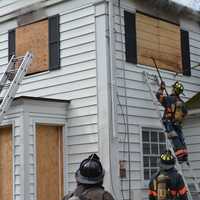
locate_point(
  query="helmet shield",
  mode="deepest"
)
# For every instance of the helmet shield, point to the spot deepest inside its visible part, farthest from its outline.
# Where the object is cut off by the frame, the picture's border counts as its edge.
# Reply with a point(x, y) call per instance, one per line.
point(178, 88)
point(90, 171)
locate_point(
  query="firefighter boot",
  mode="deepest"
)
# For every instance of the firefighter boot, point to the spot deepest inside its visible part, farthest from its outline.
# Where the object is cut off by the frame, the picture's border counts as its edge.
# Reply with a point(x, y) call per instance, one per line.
point(182, 155)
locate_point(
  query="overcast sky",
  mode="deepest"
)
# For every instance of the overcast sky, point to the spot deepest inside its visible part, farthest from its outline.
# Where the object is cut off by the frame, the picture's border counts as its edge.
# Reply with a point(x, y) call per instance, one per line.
point(191, 3)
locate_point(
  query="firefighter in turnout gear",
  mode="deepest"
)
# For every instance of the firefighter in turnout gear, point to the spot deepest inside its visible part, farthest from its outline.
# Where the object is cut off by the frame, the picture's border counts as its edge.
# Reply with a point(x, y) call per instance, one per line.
point(174, 113)
point(89, 178)
point(167, 183)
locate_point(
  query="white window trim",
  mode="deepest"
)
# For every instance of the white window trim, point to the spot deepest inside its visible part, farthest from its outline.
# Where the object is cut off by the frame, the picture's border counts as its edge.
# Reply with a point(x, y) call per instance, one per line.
point(145, 183)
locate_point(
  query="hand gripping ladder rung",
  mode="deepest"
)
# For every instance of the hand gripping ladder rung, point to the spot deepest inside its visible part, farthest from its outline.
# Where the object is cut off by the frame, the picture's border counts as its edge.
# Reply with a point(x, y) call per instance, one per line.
point(12, 77)
point(151, 79)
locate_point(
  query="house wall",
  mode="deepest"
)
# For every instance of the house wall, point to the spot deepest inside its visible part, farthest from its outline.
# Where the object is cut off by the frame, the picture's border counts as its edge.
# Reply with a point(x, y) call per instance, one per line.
point(75, 81)
point(191, 129)
point(23, 116)
point(15, 119)
point(134, 102)
point(78, 81)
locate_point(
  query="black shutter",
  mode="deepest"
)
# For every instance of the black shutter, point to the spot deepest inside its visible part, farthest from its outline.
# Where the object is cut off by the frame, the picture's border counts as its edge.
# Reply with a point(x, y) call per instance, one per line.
point(11, 43)
point(185, 47)
point(130, 37)
point(54, 43)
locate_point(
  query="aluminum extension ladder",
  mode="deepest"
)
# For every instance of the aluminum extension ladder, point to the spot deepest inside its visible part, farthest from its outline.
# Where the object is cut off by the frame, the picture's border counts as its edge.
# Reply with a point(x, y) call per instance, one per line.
point(150, 80)
point(11, 79)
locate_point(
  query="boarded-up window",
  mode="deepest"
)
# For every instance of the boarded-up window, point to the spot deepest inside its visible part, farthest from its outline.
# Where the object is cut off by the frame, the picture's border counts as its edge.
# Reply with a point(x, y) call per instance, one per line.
point(49, 149)
point(6, 169)
point(148, 37)
point(34, 38)
point(38, 38)
point(160, 40)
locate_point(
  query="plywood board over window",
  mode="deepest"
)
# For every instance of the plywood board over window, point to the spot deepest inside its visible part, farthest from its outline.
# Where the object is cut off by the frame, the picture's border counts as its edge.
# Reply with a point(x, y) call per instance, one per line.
point(160, 40)
point(49, 153)
point(34, 38)
point(6, 163)
point(42, 38)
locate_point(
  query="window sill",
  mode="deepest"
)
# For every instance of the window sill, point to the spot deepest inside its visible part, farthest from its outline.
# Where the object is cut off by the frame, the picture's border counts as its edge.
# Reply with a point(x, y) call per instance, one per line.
point(36, 74)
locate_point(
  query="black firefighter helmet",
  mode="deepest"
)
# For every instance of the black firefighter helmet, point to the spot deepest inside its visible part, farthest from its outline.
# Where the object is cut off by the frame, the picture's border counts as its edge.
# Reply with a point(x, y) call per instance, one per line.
point(167, 160)
point(90, 171)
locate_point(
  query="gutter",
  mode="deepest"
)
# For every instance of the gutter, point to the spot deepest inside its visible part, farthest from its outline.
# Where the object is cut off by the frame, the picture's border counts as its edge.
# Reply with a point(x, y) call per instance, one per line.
point(174, 7)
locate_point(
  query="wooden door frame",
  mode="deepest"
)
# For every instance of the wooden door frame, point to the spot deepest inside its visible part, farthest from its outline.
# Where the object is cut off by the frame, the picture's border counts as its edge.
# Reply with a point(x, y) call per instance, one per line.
point(11, 124)
point(64, 160)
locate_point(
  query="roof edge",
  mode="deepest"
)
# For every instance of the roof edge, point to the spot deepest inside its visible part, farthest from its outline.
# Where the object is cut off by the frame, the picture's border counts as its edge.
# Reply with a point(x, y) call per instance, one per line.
point(175, 7)
point(41, 99)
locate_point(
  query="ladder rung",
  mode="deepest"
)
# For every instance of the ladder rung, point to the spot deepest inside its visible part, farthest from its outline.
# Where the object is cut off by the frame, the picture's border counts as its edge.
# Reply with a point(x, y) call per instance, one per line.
point(11, 74)
point(12, 71)
point(5, 85)
point(18, 58)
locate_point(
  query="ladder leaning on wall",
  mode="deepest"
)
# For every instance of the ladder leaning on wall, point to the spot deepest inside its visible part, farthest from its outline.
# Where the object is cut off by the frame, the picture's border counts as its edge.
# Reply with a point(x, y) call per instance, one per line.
point(194, 189)
point(11, 79)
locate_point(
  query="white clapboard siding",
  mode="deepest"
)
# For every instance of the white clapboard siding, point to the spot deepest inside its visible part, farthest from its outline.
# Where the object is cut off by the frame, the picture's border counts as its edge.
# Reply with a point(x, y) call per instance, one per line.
point(192, 138)
point(192, 125)
point(17, 155)
point(133, 138)
point(8, 6)
point(65, 70)
point(133, 96)
point(75, 81)
point(195, 52)
point(82, 129)
point(60, 81)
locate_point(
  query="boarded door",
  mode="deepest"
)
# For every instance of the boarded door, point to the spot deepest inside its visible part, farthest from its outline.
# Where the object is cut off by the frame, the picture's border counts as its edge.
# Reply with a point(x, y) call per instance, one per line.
point(6, 163)
point(49, 147)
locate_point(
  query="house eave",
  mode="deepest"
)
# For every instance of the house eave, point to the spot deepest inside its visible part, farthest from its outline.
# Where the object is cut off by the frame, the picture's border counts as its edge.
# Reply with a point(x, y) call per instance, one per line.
point(173, 7)
point(33, 7)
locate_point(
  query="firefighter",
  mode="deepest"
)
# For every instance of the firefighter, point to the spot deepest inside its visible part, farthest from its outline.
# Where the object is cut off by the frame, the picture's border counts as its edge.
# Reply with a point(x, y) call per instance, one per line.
point(174, 113)
point(89, 178)
point(167, 183)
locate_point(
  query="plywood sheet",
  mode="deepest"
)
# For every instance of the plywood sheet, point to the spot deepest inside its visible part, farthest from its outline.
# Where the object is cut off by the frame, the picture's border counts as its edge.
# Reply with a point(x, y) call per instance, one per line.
point(144, 19)
point(160, 48)
point(49, 147)
point(164, 64)
point(157, 39)
point(169, 26)
point(34, 38)
point(160, 40)
point(6, 163)
point(157, 31)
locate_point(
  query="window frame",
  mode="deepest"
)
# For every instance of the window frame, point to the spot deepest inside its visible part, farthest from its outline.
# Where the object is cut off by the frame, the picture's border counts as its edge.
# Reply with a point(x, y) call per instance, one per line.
point(144, 181)
point(12, 46)
point(185, 67)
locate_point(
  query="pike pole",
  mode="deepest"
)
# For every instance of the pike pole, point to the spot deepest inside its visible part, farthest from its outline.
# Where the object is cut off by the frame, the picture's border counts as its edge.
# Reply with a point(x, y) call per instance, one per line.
point(159, 73)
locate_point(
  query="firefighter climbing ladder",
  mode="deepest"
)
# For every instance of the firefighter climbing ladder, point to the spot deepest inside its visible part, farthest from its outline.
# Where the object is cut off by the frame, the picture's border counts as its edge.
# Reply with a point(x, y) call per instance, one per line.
point(11, 79)
point(153, 80)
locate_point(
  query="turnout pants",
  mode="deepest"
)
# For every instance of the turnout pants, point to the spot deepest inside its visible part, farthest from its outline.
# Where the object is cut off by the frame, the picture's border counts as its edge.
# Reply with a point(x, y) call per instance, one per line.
point(177, 140)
